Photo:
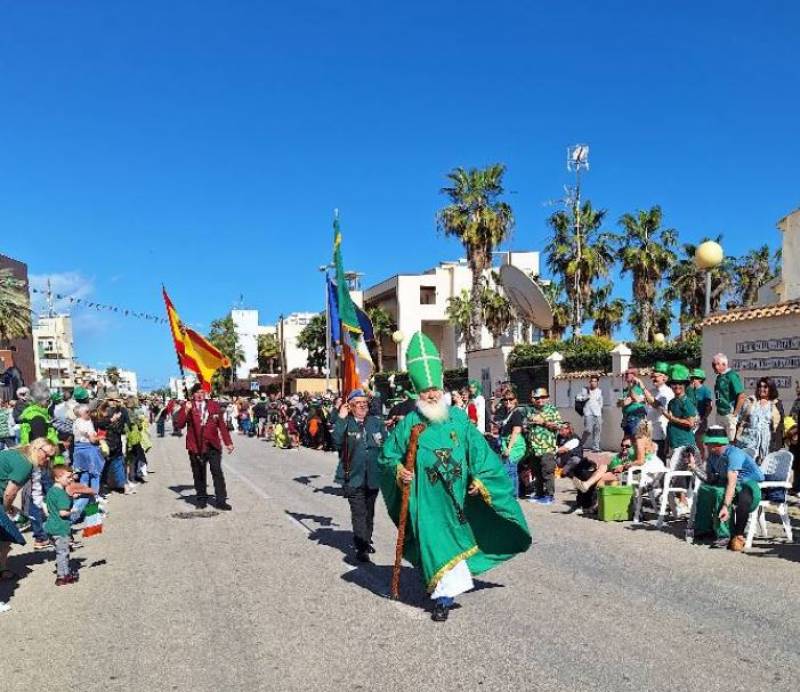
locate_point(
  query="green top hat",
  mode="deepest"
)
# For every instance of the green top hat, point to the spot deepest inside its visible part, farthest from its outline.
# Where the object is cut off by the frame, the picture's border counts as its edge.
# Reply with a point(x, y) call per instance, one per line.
point(424, 364)
point(679, 374)
point(80, 395)
point(698, 374)
point(661, 368)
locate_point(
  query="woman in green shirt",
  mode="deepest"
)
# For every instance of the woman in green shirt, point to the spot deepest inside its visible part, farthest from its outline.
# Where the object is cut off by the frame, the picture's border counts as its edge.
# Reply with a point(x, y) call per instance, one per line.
point(16, 467)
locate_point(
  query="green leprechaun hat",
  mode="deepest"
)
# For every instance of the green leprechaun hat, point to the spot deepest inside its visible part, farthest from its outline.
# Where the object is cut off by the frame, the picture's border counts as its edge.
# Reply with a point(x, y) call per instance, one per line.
point(423, 363)
point(679, 374)
point(661, 368)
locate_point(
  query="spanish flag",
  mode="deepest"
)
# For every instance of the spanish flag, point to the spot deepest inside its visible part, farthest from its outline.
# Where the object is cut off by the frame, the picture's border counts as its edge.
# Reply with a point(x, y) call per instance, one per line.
point(194, 352)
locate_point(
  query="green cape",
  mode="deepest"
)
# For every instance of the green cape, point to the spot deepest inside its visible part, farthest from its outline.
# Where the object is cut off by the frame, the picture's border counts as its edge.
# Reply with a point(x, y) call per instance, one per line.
point(436, 541)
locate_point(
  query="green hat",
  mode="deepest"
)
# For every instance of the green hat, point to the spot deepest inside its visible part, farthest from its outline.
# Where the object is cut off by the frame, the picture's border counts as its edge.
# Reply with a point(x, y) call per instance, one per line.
point(56, 397)
point(80, 394)
point(423, 363)
point(661, 368)
point(474, 384)
point(698, 374)
point(679, 374)
point(716, 435)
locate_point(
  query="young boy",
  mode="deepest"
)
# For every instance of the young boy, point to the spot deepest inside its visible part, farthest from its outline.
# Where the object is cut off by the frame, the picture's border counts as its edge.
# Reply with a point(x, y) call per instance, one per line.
point(58, 523)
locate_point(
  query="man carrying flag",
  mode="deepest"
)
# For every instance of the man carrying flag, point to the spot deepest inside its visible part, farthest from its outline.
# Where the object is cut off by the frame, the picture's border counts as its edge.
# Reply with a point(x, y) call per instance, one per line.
point(206, 431)
point(463, 516)
point(205, 434)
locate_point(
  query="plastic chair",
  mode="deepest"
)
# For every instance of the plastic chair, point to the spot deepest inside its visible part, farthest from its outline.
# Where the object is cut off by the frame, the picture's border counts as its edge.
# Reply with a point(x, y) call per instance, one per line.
point(661, 492)
point(777, 465)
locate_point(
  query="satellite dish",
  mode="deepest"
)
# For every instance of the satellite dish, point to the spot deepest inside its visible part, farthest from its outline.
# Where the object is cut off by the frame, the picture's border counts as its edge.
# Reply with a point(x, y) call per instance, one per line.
point(526, 297)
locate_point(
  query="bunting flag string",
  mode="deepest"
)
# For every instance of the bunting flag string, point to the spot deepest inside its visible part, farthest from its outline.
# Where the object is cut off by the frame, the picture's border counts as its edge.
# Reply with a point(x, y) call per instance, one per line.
point(156, 319)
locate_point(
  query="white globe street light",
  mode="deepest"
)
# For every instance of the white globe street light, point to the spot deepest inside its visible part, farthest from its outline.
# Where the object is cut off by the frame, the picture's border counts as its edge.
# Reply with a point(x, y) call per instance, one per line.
point(707, 256)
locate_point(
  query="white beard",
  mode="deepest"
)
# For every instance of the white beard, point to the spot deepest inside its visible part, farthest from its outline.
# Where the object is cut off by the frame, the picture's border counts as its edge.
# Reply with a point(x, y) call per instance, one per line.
point(435, 413)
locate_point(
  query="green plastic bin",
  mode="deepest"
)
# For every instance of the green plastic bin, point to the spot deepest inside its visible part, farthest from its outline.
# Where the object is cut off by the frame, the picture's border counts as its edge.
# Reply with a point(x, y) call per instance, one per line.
point(615, 503)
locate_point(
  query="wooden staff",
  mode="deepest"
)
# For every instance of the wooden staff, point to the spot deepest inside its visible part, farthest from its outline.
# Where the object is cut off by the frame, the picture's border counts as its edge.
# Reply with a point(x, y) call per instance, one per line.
point(410, 462)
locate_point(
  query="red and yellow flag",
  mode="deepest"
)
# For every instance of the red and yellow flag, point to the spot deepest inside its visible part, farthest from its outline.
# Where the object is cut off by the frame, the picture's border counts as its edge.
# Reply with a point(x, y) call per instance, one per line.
point(195, 353)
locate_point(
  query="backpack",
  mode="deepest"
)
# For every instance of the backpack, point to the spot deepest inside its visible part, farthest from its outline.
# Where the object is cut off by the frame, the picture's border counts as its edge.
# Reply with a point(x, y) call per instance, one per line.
point(580, 402)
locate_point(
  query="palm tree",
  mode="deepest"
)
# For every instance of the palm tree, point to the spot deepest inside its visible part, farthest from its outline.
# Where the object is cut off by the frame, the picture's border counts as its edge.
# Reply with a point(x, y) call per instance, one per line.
point(606, 313)
point(579, 253)
point(269, 351)
point(646, 251)
point(754, 270)
point(498, 315)
point(560, 305)
point(459, 313)
point(382, 325)
point(481, 221)
point(15, 308)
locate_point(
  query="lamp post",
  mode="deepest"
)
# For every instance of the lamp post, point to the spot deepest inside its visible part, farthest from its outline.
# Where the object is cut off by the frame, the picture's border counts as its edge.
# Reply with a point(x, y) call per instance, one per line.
point(707, 256)
point(324, 269)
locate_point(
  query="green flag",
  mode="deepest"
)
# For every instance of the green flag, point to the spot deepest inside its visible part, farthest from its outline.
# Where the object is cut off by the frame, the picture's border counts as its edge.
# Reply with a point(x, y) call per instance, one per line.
point(347, 310)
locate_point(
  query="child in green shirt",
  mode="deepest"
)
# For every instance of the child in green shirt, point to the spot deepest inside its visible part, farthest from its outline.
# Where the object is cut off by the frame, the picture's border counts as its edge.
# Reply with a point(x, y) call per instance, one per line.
point(58, 525)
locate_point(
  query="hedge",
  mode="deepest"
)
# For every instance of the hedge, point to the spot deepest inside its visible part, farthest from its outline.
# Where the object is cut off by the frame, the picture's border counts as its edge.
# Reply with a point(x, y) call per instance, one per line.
point(594, 353)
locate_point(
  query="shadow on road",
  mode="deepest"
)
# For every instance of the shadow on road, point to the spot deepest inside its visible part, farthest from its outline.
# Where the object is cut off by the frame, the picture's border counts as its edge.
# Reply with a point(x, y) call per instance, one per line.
point(305, 480)
point(179, 490)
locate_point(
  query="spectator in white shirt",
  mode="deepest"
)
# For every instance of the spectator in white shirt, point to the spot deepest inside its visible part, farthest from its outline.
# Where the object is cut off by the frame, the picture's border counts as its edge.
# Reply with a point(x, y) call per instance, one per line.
point(657, 400)
point(592, 414)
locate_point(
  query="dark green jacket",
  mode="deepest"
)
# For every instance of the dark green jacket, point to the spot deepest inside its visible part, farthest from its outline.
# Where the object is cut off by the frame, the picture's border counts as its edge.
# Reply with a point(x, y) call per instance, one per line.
point(363, 447)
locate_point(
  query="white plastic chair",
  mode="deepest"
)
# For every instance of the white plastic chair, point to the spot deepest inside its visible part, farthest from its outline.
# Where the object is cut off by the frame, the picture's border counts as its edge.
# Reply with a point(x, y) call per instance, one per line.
point(778, 465)
point(661, 492)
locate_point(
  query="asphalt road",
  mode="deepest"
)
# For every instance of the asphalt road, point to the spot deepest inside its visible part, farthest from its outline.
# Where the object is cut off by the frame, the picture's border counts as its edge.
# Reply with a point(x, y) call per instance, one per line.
point(265, 598)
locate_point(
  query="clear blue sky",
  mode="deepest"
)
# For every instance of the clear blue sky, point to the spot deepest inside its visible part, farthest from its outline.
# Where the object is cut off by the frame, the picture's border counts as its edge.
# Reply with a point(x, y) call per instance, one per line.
point(205, 144)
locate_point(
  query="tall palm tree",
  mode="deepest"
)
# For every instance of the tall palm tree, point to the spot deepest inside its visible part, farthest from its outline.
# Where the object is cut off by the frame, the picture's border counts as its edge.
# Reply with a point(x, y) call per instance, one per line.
point(15, 308)
point(606, 313)
point(479, 218)
point(579, 253)
point(646, 250)
point(498, 315)
point(222, 334)
point(753, 270)
point(382, 325)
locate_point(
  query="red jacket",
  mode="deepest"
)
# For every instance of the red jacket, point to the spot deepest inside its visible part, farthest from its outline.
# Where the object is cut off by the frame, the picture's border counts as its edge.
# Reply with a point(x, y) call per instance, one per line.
point(200, 437)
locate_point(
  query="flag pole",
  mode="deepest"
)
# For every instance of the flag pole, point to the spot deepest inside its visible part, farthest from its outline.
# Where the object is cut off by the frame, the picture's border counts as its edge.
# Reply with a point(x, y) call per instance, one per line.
point(177, 355)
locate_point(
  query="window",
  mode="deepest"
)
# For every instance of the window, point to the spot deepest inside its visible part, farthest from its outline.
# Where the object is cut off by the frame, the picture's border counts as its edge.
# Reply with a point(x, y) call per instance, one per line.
point(427, 295)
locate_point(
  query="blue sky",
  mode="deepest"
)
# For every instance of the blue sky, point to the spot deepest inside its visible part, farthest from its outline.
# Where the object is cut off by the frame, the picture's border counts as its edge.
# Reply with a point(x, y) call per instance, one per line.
point(205, 144)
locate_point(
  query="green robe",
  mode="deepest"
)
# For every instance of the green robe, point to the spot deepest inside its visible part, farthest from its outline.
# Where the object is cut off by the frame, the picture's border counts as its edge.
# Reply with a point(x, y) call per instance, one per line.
point(435, 540)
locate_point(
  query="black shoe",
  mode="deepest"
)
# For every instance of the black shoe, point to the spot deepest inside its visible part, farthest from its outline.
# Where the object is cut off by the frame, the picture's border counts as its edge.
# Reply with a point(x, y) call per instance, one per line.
point(224, 506)
point(202, 504)
point(362, 556)
point(440, 612)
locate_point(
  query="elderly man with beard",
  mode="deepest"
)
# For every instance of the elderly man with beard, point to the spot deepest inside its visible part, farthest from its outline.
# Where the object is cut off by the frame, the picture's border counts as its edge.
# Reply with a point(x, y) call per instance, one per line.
point(463, 516)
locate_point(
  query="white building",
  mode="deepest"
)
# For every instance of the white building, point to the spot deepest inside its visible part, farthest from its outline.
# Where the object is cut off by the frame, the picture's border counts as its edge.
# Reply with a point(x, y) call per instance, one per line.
point(176, 385)
point(248, 330)
point(418, 302)
point(54, 351)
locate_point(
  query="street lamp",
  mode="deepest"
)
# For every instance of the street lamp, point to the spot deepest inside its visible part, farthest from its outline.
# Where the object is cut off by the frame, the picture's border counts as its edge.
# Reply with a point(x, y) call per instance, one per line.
point(707, 256)
point(324, 269)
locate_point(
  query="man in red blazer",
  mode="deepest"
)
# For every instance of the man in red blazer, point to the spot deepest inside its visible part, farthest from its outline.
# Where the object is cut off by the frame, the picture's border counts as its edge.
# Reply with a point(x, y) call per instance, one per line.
point(205, 426)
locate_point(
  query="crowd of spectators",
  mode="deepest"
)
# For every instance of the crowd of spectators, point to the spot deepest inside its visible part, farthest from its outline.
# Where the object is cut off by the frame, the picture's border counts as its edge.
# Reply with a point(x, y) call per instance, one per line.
point(63, 453)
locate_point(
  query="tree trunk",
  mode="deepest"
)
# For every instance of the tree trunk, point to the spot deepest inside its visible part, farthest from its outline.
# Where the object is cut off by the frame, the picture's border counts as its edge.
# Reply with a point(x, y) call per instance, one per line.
point(476, 322)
